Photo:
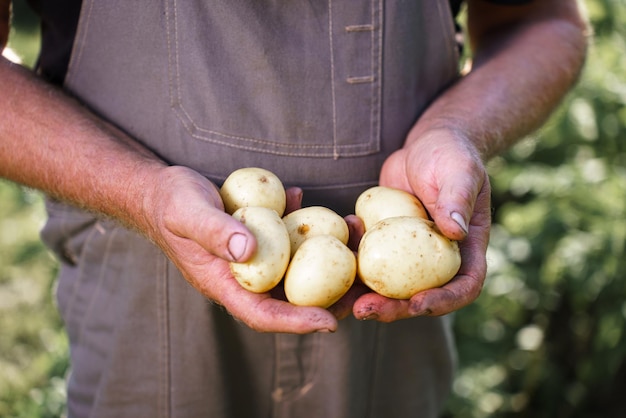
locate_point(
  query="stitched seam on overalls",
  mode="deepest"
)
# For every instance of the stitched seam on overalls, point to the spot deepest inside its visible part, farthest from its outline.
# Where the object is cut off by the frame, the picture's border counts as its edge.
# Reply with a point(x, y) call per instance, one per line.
point(376, 117)
point(360, 28)
point(332, 77)
point(364, 28)
point(175, 96)
point(360, 79)
point(376, 29)
point(168, 42)
point(191, 127)
point(377, 339)
point(164, 396)
point(277, 145)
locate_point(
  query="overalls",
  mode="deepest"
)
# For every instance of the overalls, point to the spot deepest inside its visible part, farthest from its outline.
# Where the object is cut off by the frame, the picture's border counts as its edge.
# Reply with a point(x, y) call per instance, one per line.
point(320, 92)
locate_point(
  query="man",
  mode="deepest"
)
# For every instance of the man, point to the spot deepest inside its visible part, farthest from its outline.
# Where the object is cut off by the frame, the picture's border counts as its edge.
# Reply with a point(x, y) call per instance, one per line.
point(333, 97)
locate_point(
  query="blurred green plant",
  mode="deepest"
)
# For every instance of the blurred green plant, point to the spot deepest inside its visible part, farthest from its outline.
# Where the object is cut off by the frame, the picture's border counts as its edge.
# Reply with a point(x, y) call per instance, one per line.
point(24, 38)
point(33, 347)
point(547, 336)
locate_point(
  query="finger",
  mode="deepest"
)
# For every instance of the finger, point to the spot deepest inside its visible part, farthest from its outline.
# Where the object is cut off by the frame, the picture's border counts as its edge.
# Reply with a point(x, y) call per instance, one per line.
point(458, 293)
point(189, 207)
point(197, 217)
point(373, 306)
point(294, 199)
point(231, 240)
point(466, 286)
point(259, 311)
point(356, 230)
point(263, 313)
point(456, 200)
point(219, 234)
point(393, 172)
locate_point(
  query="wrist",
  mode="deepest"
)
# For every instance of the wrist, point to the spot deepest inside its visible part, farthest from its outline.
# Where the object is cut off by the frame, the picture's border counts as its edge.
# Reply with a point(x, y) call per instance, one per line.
point(440, 136)
point(169, 193)
point(151, 184)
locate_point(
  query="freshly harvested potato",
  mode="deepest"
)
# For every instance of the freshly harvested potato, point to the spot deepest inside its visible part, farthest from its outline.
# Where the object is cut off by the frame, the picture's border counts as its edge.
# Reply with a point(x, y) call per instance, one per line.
point(253, 186)
point(380, 202)
point(267, 266)
point(320, 273)
point(311, 221)
point(401, 256)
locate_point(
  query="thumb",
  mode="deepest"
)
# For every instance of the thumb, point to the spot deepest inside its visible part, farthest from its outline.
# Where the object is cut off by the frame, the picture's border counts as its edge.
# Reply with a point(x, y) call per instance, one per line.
point(221, 235)
point(185, 210)
point(455, 204)
point(214, 230)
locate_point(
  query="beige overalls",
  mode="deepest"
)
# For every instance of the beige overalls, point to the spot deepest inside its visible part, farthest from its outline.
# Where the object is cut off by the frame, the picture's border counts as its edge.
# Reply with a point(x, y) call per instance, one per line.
point(320, 92)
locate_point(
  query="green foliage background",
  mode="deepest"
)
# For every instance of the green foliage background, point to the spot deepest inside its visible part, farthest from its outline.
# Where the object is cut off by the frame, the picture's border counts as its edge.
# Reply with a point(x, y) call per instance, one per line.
point(547, 336)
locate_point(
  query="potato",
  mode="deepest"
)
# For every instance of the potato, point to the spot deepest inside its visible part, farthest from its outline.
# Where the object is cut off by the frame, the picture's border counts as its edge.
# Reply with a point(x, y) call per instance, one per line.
point(401, 256)
point(253, 186)
point(379, 202)
point(320, 273)
point(312, 221)
point(267, 266)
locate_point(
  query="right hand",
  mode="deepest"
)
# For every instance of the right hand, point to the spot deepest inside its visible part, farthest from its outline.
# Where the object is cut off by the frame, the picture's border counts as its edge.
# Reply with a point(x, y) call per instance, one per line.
point(187, 221)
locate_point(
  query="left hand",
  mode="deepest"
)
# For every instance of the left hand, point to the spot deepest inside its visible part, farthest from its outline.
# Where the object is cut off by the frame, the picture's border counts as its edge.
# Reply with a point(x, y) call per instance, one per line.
point(443, 169)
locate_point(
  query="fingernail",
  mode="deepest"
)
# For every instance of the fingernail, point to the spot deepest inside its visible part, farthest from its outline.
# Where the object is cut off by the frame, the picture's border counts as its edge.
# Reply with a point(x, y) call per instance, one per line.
point(325, 331)
point(237, 246)
point(424, 312)
point(418, 309)
point(370, 317)
point(456, 217)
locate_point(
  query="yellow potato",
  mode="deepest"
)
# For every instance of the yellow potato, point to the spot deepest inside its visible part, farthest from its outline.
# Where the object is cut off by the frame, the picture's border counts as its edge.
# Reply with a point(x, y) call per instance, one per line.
point(268, 264)
point(401, 256)
point(379, 202)
point(312, 221)
point(320, 273)
point(253, 186)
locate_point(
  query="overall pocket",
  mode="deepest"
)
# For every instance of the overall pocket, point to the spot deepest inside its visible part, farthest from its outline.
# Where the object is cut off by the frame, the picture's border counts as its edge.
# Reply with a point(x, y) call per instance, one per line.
point(301, 80)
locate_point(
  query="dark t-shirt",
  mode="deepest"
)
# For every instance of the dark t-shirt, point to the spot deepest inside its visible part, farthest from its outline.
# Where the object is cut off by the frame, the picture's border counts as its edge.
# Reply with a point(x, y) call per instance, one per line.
point(59, 20)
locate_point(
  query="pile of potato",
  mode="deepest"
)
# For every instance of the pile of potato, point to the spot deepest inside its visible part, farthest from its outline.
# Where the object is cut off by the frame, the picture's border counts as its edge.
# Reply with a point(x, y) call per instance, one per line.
point(401, 253)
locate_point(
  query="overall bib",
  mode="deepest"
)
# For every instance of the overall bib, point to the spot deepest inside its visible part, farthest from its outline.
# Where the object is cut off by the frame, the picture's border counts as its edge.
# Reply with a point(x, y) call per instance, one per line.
point(319, 92)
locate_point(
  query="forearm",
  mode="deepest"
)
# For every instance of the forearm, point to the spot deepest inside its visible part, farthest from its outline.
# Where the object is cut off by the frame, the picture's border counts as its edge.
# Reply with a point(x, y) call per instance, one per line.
point(519, 76)
point(49, 142)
